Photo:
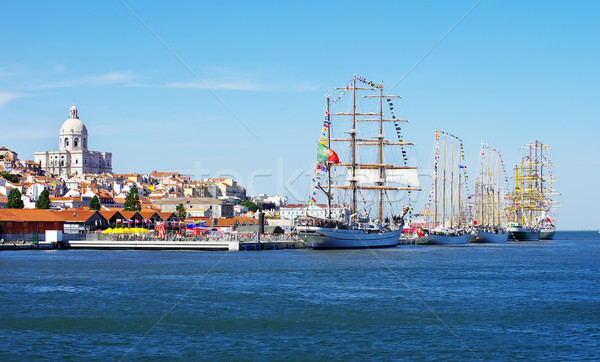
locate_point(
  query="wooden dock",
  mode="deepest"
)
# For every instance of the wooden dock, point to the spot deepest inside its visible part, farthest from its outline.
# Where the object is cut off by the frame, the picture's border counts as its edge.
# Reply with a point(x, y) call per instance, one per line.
point(217, 245)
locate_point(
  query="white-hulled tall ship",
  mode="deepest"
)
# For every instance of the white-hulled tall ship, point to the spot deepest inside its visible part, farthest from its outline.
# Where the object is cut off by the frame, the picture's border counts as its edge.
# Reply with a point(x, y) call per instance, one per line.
point(374, 169)
point(448, 225)
point(488, 213)
point(531, 199)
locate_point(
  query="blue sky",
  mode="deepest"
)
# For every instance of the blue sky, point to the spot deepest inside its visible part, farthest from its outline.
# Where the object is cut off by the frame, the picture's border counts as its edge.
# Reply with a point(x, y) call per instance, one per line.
point(509, 72)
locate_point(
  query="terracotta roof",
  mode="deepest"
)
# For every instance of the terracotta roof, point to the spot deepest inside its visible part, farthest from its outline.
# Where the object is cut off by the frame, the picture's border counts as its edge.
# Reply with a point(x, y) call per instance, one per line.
point(65, 198)
point(224, 222)
point(82, 208)
point(165, 215)
point(147, 214)
point(32, 215)
point(76, 215)
point(108, 214)
point(128, 214)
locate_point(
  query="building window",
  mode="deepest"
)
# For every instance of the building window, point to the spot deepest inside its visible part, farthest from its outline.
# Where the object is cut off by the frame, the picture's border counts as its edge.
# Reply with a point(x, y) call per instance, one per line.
point(76, 161)
point(76, 142)
point(84, 142)
point(62, 162)
point(66, 142)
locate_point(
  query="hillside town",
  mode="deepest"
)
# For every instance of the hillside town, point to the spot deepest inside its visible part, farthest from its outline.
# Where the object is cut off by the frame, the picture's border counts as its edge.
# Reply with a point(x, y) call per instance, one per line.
point(73, 190)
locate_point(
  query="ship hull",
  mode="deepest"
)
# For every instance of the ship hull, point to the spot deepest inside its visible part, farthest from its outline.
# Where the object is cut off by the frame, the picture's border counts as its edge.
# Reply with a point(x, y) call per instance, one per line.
point(547, 233)
point(524, 235)
point(434, 239)
point(489, 237)
point(328, 238)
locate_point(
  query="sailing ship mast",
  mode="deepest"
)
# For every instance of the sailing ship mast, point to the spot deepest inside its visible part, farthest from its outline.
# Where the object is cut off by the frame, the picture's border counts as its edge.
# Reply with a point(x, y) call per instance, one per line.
point(378, 173)
point(489, 187)
point(444, 187)
point(454, 202)
point(532, 199)
point(328, 164)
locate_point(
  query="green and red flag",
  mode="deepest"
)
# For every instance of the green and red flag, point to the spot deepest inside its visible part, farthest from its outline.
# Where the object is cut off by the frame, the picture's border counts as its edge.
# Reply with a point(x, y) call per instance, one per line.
point(325, 154)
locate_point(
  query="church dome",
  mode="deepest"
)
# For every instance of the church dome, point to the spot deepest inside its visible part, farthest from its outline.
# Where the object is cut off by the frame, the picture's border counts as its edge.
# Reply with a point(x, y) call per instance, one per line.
point(73, 125)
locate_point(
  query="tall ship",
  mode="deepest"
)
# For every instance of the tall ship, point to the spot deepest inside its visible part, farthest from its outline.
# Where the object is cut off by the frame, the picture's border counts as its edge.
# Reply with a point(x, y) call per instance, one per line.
point(446, 216)
point(372, 177)
point(489, 210)
point(532, 198)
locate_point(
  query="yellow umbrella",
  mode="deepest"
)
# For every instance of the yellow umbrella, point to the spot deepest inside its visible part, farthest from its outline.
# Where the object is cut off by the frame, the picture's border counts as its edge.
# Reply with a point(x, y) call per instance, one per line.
point(107, 231)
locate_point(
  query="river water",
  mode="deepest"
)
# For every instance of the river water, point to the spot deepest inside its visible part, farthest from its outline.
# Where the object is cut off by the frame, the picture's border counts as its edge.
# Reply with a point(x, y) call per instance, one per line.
point(535, 300)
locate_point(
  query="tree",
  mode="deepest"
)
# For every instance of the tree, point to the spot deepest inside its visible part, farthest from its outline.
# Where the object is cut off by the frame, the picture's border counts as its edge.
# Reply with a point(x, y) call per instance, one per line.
point(14, 200)
point(10, 176)
point(249, 205)
point(94, 203)
point(180, 211)
point(132, 201)
point(43, 201)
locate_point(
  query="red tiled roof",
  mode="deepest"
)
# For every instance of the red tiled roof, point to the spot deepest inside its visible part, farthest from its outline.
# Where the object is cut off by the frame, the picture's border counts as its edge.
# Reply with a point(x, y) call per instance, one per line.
point(128, 214)
point(108, 214)
point(31, 215)
point(164, 215)
point(75, 215)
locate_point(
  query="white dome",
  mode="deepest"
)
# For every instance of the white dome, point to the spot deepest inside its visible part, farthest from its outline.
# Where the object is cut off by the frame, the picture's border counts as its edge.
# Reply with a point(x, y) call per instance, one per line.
point(73, 126)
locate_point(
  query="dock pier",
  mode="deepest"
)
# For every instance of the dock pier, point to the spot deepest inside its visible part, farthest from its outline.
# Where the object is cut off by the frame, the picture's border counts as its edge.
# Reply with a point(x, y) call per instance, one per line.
point(217, 245)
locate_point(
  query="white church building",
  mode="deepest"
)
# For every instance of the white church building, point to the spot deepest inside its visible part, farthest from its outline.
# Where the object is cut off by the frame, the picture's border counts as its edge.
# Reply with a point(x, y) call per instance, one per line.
point(73, 157)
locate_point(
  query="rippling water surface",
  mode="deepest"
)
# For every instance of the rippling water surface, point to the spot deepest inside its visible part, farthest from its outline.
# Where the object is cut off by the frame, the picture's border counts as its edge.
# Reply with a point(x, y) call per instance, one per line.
point(498, 301)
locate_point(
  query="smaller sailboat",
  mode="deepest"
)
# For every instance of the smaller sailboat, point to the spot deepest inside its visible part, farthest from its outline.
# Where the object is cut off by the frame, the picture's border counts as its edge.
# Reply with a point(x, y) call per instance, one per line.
point(489, 229)
point(444, 230)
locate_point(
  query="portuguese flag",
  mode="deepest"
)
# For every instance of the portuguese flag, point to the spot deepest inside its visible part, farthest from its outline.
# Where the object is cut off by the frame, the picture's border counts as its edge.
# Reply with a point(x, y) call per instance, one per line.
point(325, 154)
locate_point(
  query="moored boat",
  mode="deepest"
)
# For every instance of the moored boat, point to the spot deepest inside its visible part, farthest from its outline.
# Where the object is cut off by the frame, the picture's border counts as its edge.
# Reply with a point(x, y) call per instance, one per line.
point(449, 226)
point(366, 178)
point(491, 236)
point(546, 226)
point(518, 233)
point(489, 197)
point(440, 236)
point(547, 232)
point(320, 237)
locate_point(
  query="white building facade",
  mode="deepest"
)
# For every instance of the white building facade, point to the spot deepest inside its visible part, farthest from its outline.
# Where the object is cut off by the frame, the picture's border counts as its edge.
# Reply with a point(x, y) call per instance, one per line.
point(73, 156)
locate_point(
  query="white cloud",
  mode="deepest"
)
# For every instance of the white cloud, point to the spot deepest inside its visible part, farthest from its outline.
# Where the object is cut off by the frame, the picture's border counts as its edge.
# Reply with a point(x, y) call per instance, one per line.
point(111, 78)
point(19, 134)
point(7, 97)
point(242, 86)
point(96, 80)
